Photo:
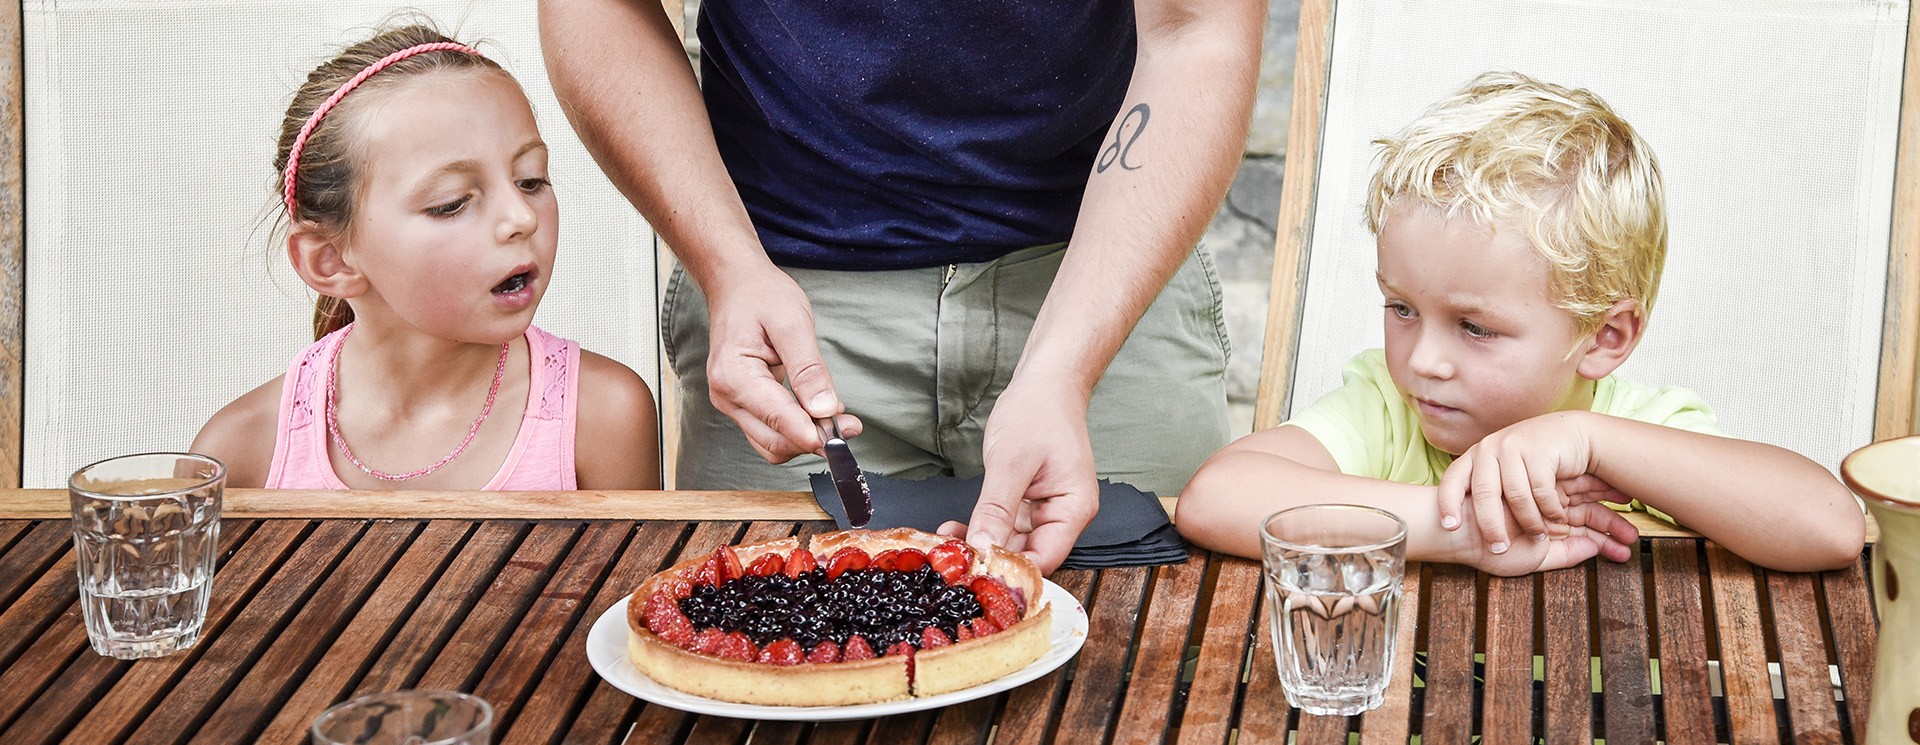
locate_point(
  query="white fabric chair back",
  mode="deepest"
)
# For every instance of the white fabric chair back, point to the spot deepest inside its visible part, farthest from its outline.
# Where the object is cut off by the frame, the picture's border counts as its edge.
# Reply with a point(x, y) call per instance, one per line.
point(153, 297)
point(1774, 122)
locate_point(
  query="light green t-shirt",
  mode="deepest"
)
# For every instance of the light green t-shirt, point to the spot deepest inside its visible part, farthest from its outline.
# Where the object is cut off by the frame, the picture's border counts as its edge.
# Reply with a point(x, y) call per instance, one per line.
point(1370, 430)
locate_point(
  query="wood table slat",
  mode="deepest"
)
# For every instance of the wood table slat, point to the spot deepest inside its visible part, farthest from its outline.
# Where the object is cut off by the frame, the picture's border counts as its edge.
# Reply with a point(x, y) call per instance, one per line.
point(431, 619)
point(512, 672)
point(609, 711)
point(901, 728)
point(1685, 698)
point(1569, 656)
point(182, 699)
point(1451, 615)
point(964, 723)
point(1850, 616)
point(1507, 706)
point(718, 731)
point(1811, 710)
point(1099, 675)
point(64, 646)
point(245, 711)
point(778, 733)
point(1625, 682)
point(55, 592)
point(488, 623)
point(1743, 648)
point(1147, 708)
point(1390, 723)
point(1315, 729)
point(1217, 675)
point(373, 621)
point(570, 678)
point(851, 732)
point(1265, 714)
point(1031, 708)
point(10, 530)
point(25, 561)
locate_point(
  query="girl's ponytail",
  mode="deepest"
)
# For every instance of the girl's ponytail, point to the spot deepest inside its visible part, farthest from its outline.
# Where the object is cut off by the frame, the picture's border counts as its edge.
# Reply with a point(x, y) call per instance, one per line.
point(330, 314)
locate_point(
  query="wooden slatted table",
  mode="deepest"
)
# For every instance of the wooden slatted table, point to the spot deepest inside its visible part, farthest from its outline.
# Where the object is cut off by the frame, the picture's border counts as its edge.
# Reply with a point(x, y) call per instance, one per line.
point(320, 597)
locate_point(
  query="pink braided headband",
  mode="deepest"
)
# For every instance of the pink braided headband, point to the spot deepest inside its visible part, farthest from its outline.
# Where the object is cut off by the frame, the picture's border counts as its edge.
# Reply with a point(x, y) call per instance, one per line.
point(300, 142)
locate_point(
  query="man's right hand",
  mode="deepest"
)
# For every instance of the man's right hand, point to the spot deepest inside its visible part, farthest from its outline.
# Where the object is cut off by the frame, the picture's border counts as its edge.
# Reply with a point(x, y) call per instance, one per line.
point(762, 325)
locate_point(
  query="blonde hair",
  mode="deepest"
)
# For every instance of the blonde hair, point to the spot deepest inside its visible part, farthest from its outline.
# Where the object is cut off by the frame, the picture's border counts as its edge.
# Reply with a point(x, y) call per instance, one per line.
point(1579, 181)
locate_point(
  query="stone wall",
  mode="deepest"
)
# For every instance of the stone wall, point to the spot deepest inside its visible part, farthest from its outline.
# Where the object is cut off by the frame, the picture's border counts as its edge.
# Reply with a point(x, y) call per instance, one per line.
point(1241, 234)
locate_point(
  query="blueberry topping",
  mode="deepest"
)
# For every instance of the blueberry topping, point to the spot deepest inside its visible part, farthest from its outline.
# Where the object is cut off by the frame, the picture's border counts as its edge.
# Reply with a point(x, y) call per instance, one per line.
point(886, 607)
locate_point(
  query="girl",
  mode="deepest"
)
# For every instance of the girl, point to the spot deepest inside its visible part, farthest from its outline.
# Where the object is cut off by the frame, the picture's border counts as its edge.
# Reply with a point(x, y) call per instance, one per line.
point(418, 207)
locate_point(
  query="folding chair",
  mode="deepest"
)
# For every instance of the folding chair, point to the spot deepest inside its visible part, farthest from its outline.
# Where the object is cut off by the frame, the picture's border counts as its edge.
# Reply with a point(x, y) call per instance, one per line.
point(151, 293)
point(1791, 295)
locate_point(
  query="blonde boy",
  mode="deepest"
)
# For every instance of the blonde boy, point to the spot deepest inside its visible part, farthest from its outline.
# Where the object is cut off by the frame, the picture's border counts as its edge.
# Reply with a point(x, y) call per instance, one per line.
point(1521, 231)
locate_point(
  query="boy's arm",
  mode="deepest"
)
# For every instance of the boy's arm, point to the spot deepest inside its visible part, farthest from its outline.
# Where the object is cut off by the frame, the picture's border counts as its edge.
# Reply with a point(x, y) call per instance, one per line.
point(1770, 505)
point(1263, 473)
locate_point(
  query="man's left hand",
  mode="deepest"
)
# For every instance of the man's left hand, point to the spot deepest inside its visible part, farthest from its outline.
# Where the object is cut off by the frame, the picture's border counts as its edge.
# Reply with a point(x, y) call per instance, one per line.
point(1040, 490)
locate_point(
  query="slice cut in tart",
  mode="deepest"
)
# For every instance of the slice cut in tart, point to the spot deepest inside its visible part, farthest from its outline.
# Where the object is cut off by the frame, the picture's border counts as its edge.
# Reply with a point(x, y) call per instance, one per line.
point(851, 617)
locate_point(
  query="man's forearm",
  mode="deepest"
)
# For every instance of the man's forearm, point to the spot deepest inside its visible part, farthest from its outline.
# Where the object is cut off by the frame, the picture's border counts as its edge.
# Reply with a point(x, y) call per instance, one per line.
point(623, 80)
point(1165, 165)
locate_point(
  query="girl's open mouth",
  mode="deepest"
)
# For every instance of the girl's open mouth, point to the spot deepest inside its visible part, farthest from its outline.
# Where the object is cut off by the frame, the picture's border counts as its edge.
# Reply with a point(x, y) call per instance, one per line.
point(513, 284)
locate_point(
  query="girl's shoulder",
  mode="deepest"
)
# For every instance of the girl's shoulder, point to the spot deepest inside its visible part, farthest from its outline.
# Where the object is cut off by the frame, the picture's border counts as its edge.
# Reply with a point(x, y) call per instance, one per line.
point(612, 387)
point(241, 434)
point(617, 442)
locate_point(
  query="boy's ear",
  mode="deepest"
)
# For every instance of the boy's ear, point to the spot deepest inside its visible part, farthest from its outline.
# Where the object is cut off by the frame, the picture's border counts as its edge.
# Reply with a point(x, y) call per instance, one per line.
point(318, 259)
point(1613, 341)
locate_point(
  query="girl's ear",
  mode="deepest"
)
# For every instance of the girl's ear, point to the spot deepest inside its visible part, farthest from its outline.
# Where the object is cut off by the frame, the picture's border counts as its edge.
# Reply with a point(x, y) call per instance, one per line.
point(1619, 332)
point(320, 262)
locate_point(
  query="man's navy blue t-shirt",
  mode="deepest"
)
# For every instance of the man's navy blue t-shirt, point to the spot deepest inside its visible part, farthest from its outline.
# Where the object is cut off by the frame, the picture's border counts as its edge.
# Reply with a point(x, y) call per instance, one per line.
point(892, 134)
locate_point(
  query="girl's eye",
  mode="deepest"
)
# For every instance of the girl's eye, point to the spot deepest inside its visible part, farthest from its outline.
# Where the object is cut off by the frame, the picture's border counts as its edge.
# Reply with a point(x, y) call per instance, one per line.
point(1400, 310)
point(533, 185)
point(1477, 331)
point(449, 209)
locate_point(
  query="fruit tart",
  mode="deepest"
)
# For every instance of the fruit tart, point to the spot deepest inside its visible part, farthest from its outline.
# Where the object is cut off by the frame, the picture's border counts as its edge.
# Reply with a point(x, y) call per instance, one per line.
point(851, 617)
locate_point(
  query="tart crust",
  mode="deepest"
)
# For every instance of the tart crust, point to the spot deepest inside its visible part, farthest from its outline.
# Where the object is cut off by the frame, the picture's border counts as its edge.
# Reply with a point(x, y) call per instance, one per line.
point(894, 677)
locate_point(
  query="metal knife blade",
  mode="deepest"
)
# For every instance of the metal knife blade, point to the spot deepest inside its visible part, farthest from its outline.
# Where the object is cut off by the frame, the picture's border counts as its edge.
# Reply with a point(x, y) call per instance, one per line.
point(847, 480)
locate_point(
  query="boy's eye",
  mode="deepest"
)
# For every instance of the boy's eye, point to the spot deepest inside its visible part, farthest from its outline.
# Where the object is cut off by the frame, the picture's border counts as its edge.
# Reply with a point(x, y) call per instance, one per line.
point(450, 208)
point(533, 185)
point(1400, 310)
point(1477, 331)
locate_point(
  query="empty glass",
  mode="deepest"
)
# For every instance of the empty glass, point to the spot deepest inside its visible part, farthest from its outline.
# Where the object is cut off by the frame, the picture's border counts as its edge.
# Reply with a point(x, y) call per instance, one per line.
point(144, 531)
point(1333, 588)
point(406, 718)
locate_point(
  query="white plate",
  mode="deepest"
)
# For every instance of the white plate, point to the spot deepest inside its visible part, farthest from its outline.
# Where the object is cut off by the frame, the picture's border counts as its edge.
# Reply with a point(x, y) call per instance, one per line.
point(607, 651)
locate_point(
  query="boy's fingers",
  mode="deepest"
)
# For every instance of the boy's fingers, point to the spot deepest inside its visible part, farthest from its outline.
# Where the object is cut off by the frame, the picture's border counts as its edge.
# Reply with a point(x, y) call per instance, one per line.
point(1488, 506)
point(1545, 485)
point(1453, 490)
point(1518, 490)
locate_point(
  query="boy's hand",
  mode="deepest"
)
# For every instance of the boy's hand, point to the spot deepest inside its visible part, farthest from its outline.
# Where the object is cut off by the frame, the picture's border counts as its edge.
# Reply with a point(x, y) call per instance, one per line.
point(1520, 471)
point(1592, 529)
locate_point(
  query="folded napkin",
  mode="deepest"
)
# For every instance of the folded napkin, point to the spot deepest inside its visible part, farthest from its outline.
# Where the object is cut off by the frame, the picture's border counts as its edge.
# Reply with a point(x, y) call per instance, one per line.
point(1131, 528)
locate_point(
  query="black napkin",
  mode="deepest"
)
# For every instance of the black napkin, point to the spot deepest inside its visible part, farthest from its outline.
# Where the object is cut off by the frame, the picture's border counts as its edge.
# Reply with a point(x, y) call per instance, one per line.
point(1131, 528)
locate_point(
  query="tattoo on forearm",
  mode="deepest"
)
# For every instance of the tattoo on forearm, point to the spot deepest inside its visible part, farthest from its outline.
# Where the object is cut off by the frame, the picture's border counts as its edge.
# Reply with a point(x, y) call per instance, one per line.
point(1117, 152)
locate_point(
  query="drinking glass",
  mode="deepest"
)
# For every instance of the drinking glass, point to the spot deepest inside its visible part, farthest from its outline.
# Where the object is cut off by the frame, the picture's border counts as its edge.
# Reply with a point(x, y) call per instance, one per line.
point(1333, 591)
point(144, 531)
point(406, 718)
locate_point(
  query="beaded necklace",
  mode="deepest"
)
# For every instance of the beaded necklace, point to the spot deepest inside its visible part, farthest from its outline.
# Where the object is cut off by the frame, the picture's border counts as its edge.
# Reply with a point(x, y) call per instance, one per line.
point(333, 418)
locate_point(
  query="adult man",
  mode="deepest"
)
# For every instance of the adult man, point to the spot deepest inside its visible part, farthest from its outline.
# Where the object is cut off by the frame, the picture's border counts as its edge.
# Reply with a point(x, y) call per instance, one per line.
point(902, 179)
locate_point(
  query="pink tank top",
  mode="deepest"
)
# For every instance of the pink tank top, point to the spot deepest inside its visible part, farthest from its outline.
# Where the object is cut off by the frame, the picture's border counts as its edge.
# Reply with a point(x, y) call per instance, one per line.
point(542, 454)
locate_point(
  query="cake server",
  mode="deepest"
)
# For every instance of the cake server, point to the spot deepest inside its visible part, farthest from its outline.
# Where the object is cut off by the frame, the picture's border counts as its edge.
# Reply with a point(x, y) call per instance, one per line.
point(847, 479)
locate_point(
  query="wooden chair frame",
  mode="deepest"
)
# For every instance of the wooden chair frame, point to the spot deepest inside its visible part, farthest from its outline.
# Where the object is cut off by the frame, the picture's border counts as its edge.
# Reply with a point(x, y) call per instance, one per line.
point(1894, 410)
